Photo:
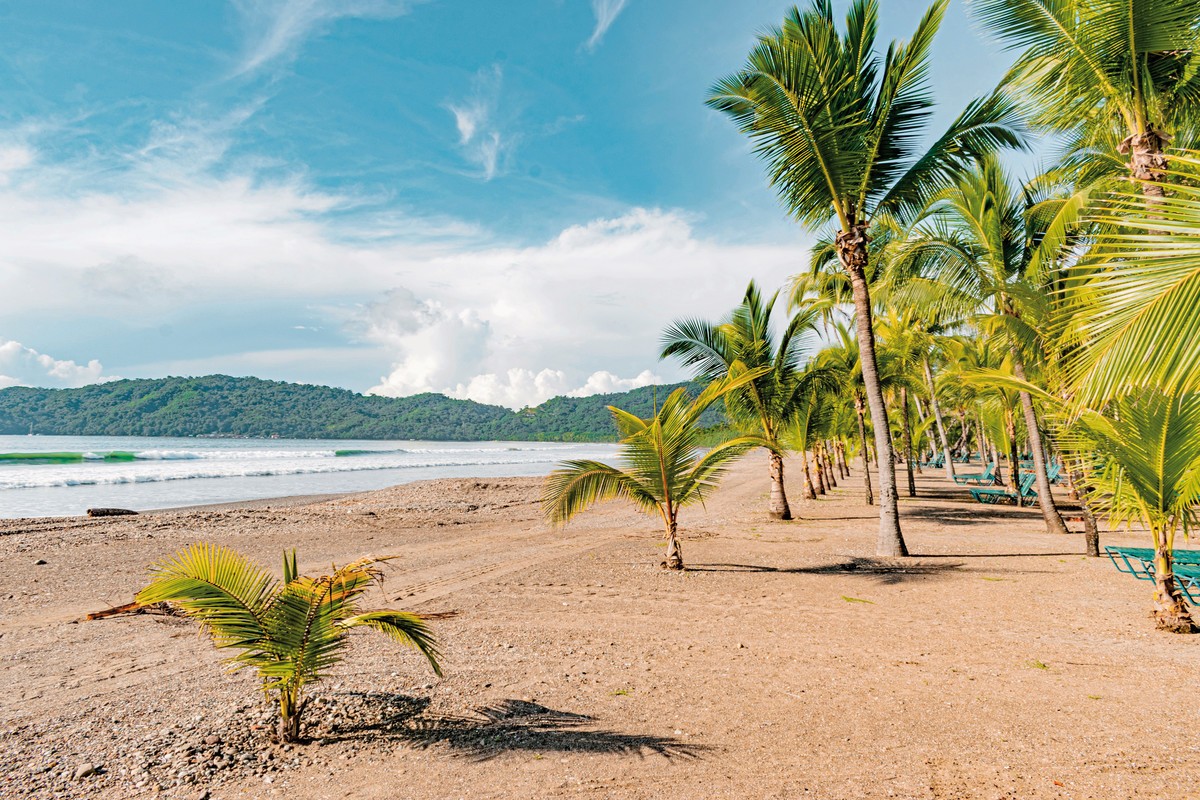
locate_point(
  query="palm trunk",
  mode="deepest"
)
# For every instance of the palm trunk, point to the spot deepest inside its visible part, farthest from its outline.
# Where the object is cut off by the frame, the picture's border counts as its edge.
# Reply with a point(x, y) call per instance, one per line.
point(830, 480)
point(866, 456)
point(290, 708)
point(1170, 611)
point(937, 417)
point(1014, 459)
point(674, 559)
point(852, 253)
point(778, 507)
point(820, 472)
point(1147, 163)
point(842, 455)
point(1054, 521)
point(809, 491)
point(906, 438)
point(1091, 531)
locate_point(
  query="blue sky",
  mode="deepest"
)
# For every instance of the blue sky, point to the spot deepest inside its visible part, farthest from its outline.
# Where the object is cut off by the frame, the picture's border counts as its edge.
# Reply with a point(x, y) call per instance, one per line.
point(502, 201)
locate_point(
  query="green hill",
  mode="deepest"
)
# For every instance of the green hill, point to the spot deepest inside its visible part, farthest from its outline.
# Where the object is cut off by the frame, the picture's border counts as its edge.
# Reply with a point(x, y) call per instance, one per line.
point(218, 405)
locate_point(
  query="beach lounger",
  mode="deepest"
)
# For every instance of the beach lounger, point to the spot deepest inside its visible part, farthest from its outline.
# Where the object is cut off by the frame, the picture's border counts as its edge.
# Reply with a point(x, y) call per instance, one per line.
point(994, 496)
point(1139, 562)
point(984, 478)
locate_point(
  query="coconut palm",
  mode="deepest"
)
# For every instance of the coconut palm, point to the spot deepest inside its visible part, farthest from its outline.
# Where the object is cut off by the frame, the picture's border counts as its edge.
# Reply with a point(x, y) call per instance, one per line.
point(662, 469)
point(745, 340)
point(1116, 76)
point(981, 241)
point(840, 130)
point(290, 632)
point(1145, 450)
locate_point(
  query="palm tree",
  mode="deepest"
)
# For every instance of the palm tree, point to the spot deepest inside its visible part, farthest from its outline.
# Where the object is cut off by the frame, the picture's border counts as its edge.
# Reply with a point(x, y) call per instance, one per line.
point(810, 418)
point(980, 241)
point(1145, 450)
point(662, 472)
point(1117, 76)
point(290, 632)
point(840, 129)
point(745, 339)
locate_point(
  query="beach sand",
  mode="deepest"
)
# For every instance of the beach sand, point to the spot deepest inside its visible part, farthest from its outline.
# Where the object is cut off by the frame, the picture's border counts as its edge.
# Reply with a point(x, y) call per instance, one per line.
point(786, 662)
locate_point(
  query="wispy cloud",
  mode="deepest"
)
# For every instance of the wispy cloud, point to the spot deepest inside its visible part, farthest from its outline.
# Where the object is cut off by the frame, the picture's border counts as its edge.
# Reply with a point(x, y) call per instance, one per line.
point(479, 133)
point(277, 29)
point(606, 13)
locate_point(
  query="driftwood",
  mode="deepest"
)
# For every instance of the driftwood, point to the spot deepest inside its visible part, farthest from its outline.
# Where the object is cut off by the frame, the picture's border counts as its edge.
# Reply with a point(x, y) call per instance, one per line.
point(134, 608)
point(110, 512)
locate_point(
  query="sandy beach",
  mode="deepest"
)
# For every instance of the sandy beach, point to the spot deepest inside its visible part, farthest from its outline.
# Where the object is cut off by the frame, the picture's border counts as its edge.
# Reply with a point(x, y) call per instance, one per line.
point(787, 662)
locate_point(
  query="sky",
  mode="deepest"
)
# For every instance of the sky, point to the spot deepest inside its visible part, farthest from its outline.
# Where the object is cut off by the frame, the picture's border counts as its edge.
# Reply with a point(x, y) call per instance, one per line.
point(501, 201)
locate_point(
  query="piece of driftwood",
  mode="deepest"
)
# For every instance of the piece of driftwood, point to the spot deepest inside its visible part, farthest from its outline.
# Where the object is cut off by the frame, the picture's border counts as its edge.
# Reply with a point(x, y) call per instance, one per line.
point(110, 512)
point(134, 608)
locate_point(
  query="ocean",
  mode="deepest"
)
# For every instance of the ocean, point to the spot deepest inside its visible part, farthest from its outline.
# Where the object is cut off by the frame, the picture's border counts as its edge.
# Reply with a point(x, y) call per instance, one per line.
point(44, 476)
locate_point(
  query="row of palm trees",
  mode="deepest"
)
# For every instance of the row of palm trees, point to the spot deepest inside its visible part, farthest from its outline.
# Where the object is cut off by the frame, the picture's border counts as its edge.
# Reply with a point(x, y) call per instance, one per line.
point(962, 309)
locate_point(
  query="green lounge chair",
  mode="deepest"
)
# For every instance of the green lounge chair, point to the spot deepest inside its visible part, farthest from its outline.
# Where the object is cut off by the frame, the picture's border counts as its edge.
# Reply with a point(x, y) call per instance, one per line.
point(985, 478)
point(994, 496)
point(1139, 562)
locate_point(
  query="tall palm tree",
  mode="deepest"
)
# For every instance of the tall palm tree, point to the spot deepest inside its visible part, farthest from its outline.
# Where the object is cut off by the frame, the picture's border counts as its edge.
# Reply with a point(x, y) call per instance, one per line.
point(745, 340)
point(978, 241)
point(841, 129)
point(292, 631)
point(662, 471)
point(1117, 76)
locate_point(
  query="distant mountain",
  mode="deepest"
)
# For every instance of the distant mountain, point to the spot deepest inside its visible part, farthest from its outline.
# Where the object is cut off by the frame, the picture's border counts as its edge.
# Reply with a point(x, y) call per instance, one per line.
point(218, 405)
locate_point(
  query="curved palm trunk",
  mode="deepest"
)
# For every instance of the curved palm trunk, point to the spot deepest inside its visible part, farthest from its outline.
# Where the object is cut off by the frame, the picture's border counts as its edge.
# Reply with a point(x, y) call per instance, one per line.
point(852, 253)
point(830, 480)
point(778, 506)
point(906, 438)
point(866, 455)
point(1170, 611)
point(937, 419)
point(674, 558)
point(1054, 521)
point(809, 491)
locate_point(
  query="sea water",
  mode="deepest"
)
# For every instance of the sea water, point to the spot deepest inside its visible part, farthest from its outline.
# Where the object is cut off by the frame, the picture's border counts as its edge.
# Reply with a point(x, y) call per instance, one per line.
point(65, 475)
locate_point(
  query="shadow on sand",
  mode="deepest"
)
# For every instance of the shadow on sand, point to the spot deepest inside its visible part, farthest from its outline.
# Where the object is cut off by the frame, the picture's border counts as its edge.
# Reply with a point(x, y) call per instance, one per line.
point(885, 572)
point(505, 726)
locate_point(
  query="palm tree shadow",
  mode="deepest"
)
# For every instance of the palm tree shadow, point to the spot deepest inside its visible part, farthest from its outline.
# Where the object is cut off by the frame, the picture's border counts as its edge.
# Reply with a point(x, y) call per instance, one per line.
point(886, 572)
point(506, 726)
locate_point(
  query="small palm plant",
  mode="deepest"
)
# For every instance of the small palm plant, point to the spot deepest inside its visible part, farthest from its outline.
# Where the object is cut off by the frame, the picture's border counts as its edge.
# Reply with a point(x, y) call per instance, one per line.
point(1145, 452)
point(290, 632)
point(664, 469)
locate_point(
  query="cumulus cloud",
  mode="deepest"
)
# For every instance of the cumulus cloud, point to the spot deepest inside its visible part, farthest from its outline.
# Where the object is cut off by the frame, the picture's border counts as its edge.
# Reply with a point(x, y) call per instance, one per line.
point(429, 304)
point(606, 13)
point(479, 135)
point(24, 366)
point(277, 29)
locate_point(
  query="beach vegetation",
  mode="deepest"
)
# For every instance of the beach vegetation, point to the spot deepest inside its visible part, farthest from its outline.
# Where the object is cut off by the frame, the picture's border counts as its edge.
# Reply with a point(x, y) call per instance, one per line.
point(661, 468)
point(843, 133)
point(291, 632)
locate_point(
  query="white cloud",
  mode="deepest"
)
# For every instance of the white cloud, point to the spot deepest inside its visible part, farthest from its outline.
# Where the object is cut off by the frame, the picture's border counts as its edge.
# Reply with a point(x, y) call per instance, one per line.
point(433, 304)
point(606, 13)
point(24, 366)
point(479, 134)
point(277, 29)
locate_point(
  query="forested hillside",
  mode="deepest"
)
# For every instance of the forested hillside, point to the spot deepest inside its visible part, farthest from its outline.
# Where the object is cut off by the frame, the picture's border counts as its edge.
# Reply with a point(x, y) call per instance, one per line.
point(219, 405)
